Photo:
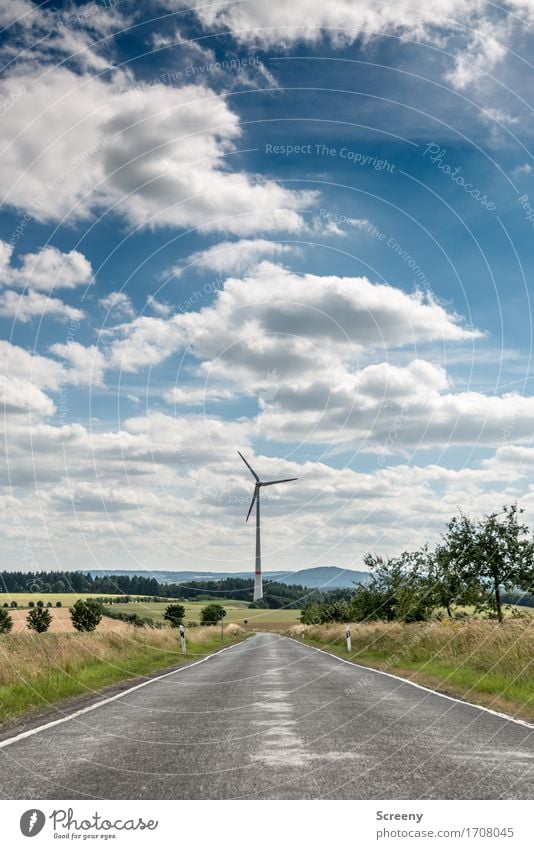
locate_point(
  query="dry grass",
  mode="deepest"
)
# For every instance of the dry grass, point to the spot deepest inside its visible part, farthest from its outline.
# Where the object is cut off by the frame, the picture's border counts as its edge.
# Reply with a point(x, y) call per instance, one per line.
point(480, 660)
point(39, 669)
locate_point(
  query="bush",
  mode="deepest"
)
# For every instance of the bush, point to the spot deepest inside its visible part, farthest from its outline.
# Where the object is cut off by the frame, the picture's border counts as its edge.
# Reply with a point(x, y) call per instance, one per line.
point(58, 604)
point(31, 604)
point(6, 622)
point(40, 603)
point(39, 619)
point(86, 615)
point(5, 604)
point(174, 614)
point(211, 614)
point(14, 604)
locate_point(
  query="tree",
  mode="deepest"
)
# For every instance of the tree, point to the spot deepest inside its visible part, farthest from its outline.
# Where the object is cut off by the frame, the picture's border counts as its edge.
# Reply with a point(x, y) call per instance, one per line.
point(399, 589)
point(39, 619)
point(85, 615)
point(211, 614)
point(450, 583)
point(6, 622)
point(174, 614)
point(494, 553)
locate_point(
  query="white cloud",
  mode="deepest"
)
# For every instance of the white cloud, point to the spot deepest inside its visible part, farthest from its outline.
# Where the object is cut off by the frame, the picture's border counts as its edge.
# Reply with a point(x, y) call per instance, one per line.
point(235, 257)
point(191, 397)
point(158, 307)
point(86, 364)
point(46, 269)
point(278, 23)
point(118, 305)
point(160, 157)
point(25, 307)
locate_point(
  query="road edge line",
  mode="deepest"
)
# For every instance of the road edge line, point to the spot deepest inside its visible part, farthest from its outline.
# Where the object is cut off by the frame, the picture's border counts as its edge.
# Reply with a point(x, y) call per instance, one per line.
point(506, 716)
point(31, 731)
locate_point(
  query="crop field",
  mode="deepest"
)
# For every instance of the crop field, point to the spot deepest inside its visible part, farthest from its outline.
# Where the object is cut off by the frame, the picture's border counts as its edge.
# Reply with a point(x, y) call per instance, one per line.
point(66, 599)
point(236, 612)
point(62, 624)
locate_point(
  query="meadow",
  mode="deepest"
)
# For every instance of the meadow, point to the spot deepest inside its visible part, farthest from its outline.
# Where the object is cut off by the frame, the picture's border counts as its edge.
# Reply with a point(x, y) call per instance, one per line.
point(477, 660)
point(236, 611)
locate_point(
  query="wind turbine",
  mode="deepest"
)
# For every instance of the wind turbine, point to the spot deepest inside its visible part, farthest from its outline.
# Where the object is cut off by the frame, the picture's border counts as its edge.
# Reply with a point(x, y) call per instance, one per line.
point(258, 586)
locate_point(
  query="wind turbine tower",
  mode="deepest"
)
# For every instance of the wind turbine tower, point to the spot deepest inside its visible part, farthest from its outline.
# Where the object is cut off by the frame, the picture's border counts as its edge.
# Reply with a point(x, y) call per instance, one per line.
point(258, 586)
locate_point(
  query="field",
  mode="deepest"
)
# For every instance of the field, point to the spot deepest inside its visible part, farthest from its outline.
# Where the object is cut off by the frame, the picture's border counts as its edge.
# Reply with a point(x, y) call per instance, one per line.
point(37, 670)
point(480, 661)
point(236, 611)
point(66, 599)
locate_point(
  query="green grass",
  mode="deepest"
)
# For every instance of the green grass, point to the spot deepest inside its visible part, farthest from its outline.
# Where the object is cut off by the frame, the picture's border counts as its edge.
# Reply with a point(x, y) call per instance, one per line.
point(39, 670)
point(236, 612)
point(480, 661)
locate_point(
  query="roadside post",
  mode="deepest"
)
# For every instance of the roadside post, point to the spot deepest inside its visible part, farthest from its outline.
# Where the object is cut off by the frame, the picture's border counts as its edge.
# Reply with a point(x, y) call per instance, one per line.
point(182, 639)
point(222, 614)
point(349, 641)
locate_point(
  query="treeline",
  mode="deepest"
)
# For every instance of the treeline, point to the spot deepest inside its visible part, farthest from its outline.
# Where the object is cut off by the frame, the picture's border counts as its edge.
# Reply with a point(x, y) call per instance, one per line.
point(276, 594)
point(480, 563)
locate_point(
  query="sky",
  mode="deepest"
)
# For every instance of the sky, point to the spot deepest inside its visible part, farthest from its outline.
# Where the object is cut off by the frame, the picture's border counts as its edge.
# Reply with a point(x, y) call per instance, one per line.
point(298, 230)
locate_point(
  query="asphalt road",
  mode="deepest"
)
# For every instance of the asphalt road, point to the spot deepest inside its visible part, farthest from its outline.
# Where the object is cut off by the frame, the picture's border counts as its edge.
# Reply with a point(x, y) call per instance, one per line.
point(270, 718)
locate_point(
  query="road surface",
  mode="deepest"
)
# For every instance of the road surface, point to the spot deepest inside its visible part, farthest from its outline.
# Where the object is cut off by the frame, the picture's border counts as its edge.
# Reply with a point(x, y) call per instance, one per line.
point(272, 719)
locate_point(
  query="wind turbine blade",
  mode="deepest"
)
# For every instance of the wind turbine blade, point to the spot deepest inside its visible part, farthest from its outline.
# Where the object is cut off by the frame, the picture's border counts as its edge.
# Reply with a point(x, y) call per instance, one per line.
point(252, 503)
point(249, 466)
point(285, 480)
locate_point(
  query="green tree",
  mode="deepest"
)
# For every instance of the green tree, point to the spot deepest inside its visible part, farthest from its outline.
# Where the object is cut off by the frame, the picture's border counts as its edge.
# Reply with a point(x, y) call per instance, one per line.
point(211, 614)
point(174, 614)
point(39, 619)
point(450, 582)
point(6, 622)
point(495, 553)
point(400, 588)
point(85, 615)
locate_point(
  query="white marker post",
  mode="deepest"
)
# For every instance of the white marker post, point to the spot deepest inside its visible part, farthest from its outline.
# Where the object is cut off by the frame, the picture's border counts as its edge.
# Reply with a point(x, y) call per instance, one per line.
point(182, 639)
point(349, 641)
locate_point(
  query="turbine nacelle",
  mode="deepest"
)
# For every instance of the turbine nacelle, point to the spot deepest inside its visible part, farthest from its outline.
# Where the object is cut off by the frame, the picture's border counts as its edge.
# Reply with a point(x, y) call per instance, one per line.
point(259, 483)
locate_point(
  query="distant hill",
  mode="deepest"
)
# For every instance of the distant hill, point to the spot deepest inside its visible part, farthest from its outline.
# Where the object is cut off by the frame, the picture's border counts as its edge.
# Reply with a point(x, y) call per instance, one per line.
point(320, 577)
point(326, 578)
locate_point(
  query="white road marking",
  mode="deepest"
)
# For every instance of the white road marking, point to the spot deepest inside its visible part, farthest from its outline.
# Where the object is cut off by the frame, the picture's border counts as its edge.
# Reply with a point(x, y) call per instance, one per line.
point(419, 686)
point(82, 711)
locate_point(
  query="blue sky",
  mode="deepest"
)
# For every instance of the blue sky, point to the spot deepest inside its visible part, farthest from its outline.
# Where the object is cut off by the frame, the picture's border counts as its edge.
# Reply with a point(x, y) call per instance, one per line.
point(299, 231)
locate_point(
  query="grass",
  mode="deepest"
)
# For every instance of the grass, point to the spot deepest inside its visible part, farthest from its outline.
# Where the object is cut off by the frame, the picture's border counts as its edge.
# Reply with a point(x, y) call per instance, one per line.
point(235, 612)
point(480, 661)
point(37, 670)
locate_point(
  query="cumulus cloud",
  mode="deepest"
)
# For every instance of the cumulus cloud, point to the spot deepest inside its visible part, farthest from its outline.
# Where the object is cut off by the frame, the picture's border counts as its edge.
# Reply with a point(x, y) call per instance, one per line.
point(45, 269)
point(76, 143)
point(235, 257)
point(118, 305)
point(25, 307)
